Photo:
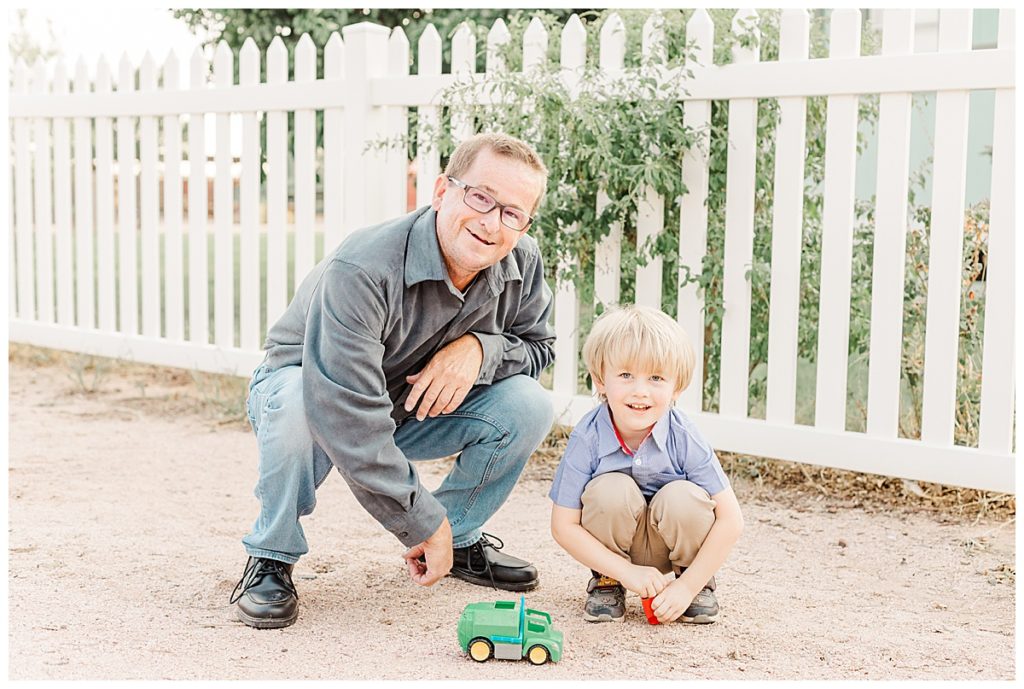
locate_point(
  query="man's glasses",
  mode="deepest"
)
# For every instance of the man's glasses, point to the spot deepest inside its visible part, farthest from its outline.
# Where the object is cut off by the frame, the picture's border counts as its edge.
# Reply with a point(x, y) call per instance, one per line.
point(482, 202)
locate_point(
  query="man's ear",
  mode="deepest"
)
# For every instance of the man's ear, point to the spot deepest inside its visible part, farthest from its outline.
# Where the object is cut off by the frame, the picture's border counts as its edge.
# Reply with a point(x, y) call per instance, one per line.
point(440, 187)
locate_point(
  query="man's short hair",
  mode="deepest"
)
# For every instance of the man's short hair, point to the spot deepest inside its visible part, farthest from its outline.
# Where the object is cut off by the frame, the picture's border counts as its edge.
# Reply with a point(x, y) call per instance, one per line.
point(643, 338)
point(503, 145)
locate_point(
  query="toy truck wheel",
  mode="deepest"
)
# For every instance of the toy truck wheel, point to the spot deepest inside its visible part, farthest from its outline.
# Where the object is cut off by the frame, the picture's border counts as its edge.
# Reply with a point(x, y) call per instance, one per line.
point(538, 655)
point(480, 649)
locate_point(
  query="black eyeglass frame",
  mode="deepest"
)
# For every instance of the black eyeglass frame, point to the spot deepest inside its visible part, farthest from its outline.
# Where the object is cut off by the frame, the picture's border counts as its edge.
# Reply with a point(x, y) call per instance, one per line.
point(500, 206)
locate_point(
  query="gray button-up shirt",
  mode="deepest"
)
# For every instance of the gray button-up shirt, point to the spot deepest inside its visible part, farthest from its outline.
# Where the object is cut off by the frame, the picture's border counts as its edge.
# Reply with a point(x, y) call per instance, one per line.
point(375, 311)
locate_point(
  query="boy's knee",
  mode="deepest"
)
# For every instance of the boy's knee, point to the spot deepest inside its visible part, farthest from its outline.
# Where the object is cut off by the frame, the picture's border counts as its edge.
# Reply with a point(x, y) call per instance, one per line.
point(613, 493)
point(683, 501)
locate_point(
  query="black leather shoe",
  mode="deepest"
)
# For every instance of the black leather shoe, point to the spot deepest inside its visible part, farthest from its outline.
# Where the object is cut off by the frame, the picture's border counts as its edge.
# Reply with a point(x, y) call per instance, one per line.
point(481, 563)
point(265, 594)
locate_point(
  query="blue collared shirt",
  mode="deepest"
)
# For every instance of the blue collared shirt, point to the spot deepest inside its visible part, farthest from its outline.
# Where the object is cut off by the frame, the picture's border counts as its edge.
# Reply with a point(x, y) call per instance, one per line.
point(673, 450)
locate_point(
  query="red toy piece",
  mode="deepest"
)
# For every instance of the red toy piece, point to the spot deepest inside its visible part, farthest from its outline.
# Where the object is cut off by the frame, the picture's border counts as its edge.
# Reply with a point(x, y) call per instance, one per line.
point(648, 611)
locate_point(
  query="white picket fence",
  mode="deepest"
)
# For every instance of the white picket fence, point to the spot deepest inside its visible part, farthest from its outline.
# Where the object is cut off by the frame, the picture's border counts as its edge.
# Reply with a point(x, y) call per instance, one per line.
point(73, 198)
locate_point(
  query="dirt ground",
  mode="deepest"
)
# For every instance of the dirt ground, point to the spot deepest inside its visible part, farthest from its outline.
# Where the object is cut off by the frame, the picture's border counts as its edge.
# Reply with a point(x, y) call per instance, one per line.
point(129, 494)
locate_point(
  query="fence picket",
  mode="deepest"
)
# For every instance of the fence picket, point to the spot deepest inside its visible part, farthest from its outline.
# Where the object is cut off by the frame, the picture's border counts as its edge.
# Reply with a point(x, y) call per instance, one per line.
point(277, 188)
point(334, 228)
point(249, 263)
point(62, 211)
point(149, 212)
point(174, 291)
point(428, 165)
point(105, 261)
point(304, 147)
point(837, 234)
point(497, 38)
point(198, 272)
point(573, 58)
point(608, 252)
point(223, 210)
point(463, 68)
point(85, 296)
point(739, 238)
point(946, 241)
point(889, 255)
point(693, 212)
point(25, 257)
point(43, 201)
point(998, 364)
point(394, 183)
point(787, 229)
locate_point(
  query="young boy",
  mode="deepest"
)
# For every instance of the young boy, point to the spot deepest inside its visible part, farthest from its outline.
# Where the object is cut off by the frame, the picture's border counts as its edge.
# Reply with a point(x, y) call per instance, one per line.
point(639, 494)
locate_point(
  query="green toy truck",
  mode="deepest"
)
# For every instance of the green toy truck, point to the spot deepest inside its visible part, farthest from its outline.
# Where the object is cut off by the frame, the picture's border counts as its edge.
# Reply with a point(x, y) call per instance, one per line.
point(508, 630)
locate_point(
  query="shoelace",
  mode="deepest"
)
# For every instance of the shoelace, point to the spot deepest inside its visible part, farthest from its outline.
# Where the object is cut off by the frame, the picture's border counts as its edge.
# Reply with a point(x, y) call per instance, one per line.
point(479, 547)
point(255, 569)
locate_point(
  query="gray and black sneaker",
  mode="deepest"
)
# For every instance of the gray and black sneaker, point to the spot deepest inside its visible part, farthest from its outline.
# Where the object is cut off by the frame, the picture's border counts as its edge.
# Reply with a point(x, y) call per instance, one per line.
point(704, 608)
point(606, 600)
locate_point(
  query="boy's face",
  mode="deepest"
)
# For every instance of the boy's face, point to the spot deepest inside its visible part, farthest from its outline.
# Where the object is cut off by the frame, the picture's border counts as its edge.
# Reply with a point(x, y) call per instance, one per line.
point(637, 399)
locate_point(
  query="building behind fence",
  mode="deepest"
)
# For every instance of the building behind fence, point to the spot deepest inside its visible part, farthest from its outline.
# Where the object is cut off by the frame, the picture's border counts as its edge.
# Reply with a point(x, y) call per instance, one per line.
point(117, 255)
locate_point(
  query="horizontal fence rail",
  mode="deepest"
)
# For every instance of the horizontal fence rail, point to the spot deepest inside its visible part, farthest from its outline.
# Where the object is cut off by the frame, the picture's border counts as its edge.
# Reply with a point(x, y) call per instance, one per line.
point(131, 239)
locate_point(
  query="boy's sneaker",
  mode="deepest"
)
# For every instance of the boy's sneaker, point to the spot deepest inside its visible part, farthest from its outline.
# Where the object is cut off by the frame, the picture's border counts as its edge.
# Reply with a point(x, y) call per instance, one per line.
point(704, 608)
point(606, 600)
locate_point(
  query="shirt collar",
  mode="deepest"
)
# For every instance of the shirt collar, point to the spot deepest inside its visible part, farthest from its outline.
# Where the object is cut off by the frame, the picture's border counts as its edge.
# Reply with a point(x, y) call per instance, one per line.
point(423, 259)
point(607, 443)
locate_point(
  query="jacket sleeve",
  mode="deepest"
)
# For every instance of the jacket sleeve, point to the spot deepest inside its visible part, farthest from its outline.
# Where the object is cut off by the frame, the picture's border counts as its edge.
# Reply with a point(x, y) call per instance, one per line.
point(527, 345)
point(348, 407)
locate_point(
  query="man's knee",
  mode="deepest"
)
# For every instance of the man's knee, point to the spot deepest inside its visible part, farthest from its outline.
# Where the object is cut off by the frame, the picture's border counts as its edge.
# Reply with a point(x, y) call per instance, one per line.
point(528, 407)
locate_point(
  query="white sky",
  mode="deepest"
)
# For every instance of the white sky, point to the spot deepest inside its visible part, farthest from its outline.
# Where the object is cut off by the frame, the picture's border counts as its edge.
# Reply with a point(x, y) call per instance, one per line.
point(89, 30)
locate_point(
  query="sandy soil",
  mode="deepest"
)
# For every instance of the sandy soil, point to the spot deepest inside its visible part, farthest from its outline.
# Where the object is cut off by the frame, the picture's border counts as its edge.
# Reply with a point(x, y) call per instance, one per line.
point(126, 506)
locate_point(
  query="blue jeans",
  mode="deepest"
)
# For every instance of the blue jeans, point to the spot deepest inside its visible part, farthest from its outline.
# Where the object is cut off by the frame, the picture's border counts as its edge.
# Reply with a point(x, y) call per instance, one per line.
point(494, 431)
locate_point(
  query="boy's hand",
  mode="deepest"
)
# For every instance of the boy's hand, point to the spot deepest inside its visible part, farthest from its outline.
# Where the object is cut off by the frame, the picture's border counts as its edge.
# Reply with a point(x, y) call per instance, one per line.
point(674, 600)
point(646, 581)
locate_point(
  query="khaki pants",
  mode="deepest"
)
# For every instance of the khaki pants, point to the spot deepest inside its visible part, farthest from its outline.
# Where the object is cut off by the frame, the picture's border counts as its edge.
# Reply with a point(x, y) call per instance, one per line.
point(667, 533)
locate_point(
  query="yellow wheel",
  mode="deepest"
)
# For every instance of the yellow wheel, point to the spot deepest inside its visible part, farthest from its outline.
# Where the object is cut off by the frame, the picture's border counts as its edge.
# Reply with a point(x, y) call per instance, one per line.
point(480, 649)
point(538, 655)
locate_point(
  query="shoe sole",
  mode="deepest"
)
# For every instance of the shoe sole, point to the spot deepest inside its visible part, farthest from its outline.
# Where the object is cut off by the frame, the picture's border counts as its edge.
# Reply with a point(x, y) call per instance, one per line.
point(699, 619)
point(503, 585)
point(267, 622)
point(602, 618)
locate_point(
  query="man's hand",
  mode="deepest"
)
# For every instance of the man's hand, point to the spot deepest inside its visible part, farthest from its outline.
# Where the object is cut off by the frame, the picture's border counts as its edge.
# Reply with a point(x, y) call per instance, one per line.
point(447, 378)
point(437, 551)
point(645, 581)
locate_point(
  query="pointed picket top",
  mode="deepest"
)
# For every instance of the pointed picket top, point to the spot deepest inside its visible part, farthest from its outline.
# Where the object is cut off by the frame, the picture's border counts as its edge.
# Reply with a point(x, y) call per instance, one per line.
point(794, 34)
point(844, 33)
point(147, 73)
point(223, 65)
point(398, 52)
point(1006, 37)
point(172, 72)
point(38, 83)
point(277, 61)
point(743, 23)
point(429, 61)
point(700, 32)
point(305, 59)
point(334, 57)
point(653, 44)
point(81, 84)
point(497, 38)
point(535, 44)
point(613, 44)
point(20, 76)
point(60, 76)
point(249, 62)
point(197, 68)
point(463, 50)
point(574, 44)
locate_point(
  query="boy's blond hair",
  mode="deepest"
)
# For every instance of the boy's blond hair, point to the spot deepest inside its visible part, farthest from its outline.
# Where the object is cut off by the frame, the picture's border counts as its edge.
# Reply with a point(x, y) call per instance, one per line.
point(646, 339)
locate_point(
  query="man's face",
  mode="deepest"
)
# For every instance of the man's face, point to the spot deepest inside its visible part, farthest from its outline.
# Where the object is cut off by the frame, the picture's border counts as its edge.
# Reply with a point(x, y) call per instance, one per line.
point(471, 241)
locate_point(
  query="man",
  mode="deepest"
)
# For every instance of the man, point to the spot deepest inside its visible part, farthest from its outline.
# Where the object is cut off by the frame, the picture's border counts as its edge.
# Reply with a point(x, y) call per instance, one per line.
point(416, 339)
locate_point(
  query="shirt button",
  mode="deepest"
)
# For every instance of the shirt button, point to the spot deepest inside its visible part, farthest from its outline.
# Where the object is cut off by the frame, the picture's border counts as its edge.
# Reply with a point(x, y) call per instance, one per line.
point(637, 461)
point(403, 534)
